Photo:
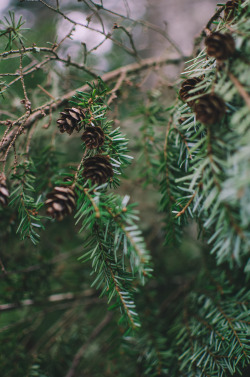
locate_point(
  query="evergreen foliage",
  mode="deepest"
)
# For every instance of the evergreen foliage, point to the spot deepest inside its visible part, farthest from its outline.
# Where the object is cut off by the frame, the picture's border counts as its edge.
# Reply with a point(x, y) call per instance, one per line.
point(207, 157)
point(181, 309)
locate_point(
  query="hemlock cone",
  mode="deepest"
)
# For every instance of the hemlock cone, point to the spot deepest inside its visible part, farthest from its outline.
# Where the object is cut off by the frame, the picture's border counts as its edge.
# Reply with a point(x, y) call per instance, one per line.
point(71, 119)
point(232, 8)
point(220, 46)
point(61, 202)
point(93, 137)
point(209, 109)
point(188, 85)
point(98, 169)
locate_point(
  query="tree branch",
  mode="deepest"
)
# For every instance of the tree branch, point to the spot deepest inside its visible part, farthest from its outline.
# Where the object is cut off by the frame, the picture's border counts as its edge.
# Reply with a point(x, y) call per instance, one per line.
point(51, 299)
point(107, 77)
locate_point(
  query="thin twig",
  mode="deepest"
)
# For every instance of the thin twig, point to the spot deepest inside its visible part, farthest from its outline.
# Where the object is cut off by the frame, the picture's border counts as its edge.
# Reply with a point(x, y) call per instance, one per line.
point(4, 138)
point(186, 206)
point(46, 92)
point(19, 130)
point(27, 102)
point(108, 35)
point(80, 165)
point(130, 39)
point(96, 14)
point(97, 211)
point(240, 89)
point(147, 24)
point(34, 49)
point(116, 87)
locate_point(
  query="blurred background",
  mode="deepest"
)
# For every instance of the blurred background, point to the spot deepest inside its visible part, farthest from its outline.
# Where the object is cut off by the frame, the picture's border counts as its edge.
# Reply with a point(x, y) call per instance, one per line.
point(182, 20)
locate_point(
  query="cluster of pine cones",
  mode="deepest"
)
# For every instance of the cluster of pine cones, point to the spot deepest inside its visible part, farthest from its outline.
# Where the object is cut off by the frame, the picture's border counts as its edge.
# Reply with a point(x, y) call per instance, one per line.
point(209, 108)
point(73, 119)
point(62, 200)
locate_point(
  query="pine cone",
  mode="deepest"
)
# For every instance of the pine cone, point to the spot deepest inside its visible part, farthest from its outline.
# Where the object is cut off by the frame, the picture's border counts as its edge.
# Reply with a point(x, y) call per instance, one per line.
point(98, 169)
point(71, 120)
point(209, 109)
point(4, 193)
point(188, 85)
point(61, 202)
point(220, 46)
point(93, 137)
point(230, 10)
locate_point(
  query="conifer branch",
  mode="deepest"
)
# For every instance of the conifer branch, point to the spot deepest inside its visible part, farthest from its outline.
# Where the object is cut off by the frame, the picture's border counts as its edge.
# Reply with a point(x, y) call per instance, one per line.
point(186, 206)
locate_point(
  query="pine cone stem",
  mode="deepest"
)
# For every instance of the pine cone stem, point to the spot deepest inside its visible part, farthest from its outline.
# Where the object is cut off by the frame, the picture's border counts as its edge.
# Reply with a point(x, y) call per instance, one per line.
point(79, 167)
point(97, 212)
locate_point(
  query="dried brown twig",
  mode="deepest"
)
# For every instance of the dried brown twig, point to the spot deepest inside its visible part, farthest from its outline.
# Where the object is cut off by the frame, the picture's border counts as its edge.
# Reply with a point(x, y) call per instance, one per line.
point(144, 23)
point(87, 26)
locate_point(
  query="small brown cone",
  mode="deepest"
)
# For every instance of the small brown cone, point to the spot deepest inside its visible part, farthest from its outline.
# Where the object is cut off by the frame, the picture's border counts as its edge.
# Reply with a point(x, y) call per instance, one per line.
point(98, 169)
point(230, 10)
point(4, 193)
point(61, 202)
point(71, 120)
point(209, 109)
point(93, 137)
point(188, 85)
point(221, 46)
